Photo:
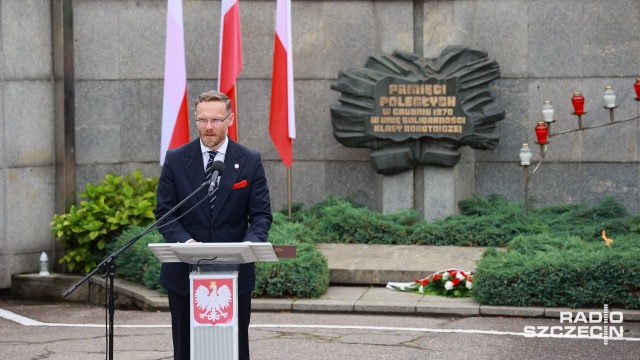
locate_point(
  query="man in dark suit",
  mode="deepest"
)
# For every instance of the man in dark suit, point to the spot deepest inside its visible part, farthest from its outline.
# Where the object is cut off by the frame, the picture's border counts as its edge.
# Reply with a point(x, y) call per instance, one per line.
point(240, 212)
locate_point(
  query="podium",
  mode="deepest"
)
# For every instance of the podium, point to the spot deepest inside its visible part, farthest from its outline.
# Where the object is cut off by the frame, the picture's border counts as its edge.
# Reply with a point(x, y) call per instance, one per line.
point(213, 282)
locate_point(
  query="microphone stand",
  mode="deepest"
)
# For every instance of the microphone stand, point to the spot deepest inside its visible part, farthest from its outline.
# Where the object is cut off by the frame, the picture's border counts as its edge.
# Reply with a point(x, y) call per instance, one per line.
point(109, 265)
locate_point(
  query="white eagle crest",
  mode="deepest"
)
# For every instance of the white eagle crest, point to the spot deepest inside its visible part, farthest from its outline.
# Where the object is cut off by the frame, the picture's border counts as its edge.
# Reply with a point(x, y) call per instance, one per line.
point(213, 303)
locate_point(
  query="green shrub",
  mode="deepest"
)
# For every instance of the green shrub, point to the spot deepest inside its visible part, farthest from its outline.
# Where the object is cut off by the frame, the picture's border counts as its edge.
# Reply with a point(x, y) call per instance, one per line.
point(339, 221)
point(109, 207)
point(479, 205)
point(137, 263)
point(488, 230)
point(584, 222)
point(556, 255)
point(306, 276)
point(494, 221)
point(485, 221)
point(552, 271)
point(491, 221)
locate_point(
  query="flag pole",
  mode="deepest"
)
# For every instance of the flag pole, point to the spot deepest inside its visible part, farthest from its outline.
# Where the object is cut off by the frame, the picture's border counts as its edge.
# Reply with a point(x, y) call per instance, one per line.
point(175, 114)
point(235, 103)
point(282, 113)
point(289, 191)
point(230, 63)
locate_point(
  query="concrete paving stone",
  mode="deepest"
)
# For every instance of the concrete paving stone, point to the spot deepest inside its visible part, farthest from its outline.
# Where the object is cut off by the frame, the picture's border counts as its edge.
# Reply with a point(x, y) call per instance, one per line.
point(156, 303)
point(445, 309)
point(448, 306)
point(150, 299)
point(337, 298)
point(511, 311)
point(555, 312)
point(323, 305)
point(449, 300)
point(631, 315)
point(49, 288)
point(344, 293)
point(378, 306)
point(125, 288)
point(380, 264)
point(384, 294)
point(261, 304)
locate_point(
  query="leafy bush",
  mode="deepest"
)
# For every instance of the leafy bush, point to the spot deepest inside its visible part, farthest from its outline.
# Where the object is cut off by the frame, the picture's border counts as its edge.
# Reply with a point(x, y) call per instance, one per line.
point(109, 207)
point(546, 270)
point(137, 263)
point(306, 276)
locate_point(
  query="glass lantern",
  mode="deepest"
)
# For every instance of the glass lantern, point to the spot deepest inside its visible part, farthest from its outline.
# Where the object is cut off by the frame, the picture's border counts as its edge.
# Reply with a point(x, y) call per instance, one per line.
point(525, 155)
point(547, 111)
point(609, 97)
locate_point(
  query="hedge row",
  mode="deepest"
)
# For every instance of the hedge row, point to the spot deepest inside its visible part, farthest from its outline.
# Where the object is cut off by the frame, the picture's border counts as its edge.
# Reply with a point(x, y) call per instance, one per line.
point(551, 271)
point(491, 221)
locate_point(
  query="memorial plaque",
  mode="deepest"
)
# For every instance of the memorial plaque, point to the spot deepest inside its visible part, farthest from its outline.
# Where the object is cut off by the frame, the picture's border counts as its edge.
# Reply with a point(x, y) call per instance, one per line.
point(411, 110)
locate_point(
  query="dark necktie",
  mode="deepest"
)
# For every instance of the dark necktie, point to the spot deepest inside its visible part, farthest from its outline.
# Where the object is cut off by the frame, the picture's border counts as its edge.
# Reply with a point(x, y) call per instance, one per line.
point(209, 173)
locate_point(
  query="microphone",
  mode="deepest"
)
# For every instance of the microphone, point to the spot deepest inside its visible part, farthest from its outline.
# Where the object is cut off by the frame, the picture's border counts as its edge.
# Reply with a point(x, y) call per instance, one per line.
point(218, 168)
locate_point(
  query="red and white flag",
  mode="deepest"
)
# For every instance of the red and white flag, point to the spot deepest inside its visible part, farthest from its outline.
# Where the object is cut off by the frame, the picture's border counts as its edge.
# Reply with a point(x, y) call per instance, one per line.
point(282, 125)
point(175, 116)
point(230, 64)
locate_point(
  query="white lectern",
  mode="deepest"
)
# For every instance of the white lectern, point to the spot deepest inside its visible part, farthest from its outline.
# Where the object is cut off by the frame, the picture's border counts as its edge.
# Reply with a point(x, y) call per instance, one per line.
point(214, 290)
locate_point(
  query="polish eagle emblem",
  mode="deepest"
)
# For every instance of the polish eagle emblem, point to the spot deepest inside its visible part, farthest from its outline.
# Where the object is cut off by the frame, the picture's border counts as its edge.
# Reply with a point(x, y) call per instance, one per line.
point(213, 302)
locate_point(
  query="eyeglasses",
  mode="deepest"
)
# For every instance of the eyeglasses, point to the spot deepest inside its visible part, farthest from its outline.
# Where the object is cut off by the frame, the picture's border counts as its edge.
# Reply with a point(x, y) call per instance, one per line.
point(216, 121)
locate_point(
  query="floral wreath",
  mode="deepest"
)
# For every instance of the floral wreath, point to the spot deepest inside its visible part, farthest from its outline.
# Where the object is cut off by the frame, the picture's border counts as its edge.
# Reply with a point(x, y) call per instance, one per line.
point(449, 282)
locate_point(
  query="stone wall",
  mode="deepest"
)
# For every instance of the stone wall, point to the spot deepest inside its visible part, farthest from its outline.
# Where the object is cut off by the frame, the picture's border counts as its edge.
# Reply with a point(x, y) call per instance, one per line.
point(547, 49)
point(26, 136)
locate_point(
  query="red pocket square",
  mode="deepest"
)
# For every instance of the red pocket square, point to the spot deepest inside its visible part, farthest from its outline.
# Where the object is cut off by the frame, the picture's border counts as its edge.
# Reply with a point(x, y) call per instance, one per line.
point(240, 184)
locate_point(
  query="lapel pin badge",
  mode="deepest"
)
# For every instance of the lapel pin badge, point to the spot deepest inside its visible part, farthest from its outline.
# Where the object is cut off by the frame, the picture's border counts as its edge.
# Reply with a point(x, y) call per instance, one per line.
point(237, 166)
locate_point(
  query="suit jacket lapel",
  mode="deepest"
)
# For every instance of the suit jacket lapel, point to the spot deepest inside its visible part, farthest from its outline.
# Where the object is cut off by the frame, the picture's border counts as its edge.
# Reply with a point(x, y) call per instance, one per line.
point(195, 173)
point(233, 165)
